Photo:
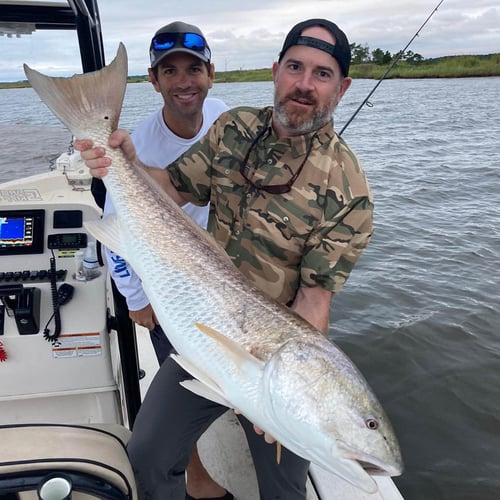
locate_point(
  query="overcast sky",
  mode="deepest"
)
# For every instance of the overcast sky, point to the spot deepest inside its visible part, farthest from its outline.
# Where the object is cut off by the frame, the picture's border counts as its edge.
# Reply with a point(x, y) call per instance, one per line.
point(249, 34)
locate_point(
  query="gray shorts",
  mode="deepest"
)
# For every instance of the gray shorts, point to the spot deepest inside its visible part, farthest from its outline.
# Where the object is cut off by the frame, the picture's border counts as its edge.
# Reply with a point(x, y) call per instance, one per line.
point(161, 344)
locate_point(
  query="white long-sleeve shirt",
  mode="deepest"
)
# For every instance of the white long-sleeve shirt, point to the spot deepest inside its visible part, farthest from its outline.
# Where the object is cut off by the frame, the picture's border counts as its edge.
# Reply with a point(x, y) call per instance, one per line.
point(157, 146)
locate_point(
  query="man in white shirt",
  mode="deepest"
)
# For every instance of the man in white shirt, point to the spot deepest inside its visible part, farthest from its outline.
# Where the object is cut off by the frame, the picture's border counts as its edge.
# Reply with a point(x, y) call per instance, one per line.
point(182, 73)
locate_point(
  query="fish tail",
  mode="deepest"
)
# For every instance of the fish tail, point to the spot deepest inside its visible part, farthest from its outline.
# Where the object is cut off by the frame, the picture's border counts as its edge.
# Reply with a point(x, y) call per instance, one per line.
point(87, 101)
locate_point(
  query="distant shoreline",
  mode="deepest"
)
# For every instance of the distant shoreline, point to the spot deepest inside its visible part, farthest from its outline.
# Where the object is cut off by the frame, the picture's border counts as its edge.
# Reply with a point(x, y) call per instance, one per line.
point(442, 67)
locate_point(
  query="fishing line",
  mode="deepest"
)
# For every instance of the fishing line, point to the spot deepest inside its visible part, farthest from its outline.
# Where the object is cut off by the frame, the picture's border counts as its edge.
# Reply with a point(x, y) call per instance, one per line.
point(400, 54)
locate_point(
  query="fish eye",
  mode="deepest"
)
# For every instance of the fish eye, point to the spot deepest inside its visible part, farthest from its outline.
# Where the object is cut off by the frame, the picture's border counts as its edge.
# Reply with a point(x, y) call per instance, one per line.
point(371, 423)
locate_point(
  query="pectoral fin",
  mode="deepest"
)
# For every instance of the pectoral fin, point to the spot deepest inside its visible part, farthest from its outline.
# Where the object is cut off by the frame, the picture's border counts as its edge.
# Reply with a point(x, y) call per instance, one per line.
point(204, 386)
point(107, 231)
point(235, 351)
point(240, 356)
point(199, 388)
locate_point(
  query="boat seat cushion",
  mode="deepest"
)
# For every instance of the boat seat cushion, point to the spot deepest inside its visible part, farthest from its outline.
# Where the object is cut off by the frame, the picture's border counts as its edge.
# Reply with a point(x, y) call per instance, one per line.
point(82, 451)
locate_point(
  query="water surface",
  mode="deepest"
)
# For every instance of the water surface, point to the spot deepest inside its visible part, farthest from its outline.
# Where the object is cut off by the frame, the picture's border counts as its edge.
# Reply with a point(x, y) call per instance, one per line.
point(420, 314)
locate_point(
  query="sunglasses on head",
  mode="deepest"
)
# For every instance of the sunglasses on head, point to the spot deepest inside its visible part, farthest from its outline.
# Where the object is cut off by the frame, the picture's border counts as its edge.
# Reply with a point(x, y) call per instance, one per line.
point(191, 41)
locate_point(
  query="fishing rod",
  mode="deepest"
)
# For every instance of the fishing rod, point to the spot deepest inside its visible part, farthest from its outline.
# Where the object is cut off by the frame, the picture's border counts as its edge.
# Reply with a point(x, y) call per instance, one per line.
point(400, 54)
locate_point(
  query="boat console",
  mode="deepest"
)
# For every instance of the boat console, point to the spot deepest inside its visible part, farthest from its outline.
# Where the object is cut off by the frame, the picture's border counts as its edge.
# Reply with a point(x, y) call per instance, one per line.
point(53, 308)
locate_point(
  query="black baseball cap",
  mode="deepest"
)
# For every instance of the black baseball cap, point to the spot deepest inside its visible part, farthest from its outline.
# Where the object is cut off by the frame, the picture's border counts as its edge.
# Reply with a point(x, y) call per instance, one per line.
point(178, 37)
point(340, 50)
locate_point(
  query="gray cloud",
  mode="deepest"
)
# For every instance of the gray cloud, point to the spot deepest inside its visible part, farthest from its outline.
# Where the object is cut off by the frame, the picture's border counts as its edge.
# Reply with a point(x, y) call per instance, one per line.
point(250, 35)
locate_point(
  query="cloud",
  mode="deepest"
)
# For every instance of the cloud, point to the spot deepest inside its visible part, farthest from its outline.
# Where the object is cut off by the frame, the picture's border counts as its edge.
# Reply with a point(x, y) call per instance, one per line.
point(250, 35)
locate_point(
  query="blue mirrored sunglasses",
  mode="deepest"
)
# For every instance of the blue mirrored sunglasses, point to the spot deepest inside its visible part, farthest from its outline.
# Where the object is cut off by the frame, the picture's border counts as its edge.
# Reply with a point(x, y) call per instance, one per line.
point(192, 41)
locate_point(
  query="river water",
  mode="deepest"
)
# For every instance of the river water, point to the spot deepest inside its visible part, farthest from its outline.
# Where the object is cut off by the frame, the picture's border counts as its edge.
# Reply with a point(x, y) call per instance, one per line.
point(420, 314)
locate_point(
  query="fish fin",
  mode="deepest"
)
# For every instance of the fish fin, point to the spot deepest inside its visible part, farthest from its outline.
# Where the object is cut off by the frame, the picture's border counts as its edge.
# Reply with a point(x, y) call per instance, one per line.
point(107, 231)
point(235, 350)
point(204, 391)
point(97, 94)
point(204, 386)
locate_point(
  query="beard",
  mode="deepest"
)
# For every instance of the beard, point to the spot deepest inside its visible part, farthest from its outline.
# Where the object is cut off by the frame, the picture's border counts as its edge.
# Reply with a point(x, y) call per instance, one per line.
point(298, 121)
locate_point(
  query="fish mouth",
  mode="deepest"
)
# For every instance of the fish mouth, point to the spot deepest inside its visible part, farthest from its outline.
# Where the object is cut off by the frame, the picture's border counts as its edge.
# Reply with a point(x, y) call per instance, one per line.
point(374, 469)
point(371, 464)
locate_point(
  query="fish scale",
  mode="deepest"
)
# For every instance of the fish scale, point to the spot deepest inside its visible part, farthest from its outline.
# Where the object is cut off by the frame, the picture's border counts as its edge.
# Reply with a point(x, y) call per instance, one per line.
point(246, 350)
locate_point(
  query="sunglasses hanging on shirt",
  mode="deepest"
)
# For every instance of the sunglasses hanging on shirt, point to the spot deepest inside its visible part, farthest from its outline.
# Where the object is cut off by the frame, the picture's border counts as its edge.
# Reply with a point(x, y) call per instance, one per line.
point(272, 188)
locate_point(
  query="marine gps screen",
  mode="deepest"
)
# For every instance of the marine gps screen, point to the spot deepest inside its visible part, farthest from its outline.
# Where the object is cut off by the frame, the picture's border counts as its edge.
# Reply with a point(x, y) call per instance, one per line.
point(21, 231)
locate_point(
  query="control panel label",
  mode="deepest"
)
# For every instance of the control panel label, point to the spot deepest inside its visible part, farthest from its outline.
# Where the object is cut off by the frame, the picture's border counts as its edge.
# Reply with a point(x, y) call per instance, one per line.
point(77, 345)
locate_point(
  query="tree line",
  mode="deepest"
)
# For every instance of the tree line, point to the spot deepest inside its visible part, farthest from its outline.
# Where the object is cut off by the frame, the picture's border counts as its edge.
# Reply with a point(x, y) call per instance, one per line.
point(361, 54)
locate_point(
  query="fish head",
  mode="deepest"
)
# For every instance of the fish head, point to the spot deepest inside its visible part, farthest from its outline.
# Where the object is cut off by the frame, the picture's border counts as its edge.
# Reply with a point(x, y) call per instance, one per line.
point(326, 412)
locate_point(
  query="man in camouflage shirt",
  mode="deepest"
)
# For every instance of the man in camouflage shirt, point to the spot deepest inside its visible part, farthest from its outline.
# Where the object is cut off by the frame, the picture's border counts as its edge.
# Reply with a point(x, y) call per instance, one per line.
point(308, 236)
point(290, 205)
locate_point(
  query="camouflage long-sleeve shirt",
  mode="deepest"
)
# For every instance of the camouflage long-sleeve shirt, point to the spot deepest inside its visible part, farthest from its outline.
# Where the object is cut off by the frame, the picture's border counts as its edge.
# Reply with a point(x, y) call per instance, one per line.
point(311, 235)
